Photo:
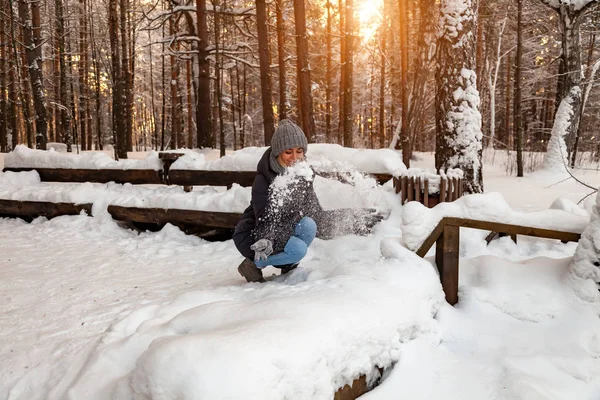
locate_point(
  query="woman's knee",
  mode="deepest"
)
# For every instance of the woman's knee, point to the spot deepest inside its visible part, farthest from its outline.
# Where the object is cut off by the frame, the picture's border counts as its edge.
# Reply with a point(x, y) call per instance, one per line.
point(306, 229)
point(296, 248)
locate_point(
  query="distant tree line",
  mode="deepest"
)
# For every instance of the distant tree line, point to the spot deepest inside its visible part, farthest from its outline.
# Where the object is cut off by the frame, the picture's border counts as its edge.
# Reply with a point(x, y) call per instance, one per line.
point(159, 74)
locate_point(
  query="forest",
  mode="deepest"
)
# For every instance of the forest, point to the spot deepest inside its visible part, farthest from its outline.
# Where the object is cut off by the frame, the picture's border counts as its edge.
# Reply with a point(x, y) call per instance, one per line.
point(450, 76)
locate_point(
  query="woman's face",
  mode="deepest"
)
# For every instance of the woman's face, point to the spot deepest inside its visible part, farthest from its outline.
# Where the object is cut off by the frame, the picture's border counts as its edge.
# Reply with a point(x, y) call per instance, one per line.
point(291, 156)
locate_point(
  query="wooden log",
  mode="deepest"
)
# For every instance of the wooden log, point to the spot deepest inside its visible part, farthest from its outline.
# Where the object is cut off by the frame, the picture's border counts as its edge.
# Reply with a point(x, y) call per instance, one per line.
point(446, 259)
point(34, 209)
point(426, 192)
point(411, 189)
point(442, 189)
point(174, 216)
point(134, 176)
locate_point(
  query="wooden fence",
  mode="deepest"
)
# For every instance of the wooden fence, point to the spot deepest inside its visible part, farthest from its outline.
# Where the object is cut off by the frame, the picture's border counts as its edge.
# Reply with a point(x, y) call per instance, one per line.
point(417, 189)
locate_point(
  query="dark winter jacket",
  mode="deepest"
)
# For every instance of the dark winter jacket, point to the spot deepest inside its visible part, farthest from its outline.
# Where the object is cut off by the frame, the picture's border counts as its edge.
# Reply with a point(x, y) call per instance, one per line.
point(273, 215)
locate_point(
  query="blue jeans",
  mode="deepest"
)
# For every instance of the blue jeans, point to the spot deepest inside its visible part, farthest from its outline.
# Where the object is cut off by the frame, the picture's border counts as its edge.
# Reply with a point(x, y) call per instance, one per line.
point(296, 247)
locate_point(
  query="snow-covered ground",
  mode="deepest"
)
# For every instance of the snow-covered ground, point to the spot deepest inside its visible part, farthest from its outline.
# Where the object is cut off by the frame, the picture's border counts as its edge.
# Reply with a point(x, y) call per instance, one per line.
point(91, 310)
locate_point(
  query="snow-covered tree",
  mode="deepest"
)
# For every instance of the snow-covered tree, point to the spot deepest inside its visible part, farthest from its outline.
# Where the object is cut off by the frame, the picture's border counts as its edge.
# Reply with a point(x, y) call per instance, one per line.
point(458, 121)
point(570, 14)
point(584, 271)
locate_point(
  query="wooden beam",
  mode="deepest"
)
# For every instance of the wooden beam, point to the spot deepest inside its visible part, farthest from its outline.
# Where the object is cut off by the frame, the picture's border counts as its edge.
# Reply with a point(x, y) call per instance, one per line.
point(211, 178)
point(426, 192)
point(174, 216)
point(134, 176)
point(511, 229)
point(431, 239)
point(442, 189)
point(34, 209)
point(446, 259)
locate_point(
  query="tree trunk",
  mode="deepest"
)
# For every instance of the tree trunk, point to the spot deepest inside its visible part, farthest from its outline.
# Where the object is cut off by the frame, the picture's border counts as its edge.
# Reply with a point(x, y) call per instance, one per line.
point(3, 80)
point(404, 130)
point(342, 85)
point(348, 77)
point(126, 143)
point(518, 127)
point(265, 70)
point(219, 80)
point(203, 119)
point(382, 78)
point(303, 70)
point(328, 73)
point(190, 107)
point(82, 109)
point(282, 110)
point(118, 115)
point(99, 138)
point(458, 122)
point(33, 45)
point(176, 127)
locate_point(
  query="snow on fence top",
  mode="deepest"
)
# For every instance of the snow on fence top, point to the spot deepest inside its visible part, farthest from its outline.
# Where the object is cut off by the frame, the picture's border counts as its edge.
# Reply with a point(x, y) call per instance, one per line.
point(323, 157)
point(419, 221)
point(24, 157)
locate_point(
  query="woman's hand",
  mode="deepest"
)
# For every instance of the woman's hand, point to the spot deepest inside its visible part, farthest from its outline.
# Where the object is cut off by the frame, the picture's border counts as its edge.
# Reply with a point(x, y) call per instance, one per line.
point(263, 248)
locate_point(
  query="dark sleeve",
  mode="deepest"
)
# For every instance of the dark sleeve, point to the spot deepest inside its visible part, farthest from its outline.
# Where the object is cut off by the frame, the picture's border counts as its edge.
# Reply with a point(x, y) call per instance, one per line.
point(260, 197)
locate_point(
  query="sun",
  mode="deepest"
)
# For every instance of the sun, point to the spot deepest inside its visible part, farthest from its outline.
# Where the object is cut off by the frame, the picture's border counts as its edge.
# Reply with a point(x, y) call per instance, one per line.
point(368, 15)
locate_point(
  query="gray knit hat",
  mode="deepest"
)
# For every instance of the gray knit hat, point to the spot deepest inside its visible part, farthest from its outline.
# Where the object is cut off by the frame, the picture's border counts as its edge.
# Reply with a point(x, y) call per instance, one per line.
point(287, 136)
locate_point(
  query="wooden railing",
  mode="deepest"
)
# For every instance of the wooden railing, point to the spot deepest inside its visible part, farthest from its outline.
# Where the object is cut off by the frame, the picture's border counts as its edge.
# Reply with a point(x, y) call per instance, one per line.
point(417, 189)
point(446, 237)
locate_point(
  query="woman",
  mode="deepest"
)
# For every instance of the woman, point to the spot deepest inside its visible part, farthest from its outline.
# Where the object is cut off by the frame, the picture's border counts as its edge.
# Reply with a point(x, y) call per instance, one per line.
point(279, 225)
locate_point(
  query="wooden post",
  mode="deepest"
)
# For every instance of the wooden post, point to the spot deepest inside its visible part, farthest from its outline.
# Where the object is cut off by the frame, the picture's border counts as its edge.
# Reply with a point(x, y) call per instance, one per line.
point(442, 189)
point(426, 192)
point(456, 193)
point(449, 196)
point(418, 189)
point(446, 259)
point(397, 187)
point(411, 189)
point(404, 184)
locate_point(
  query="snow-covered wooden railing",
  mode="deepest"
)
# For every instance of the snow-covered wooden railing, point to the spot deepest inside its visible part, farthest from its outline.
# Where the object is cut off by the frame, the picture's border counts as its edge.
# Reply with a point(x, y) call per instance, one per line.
point(446, 237)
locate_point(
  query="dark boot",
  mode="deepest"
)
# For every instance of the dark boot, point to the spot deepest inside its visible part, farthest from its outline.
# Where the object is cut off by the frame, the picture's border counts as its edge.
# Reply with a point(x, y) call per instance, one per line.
point(250, 271)
point(287, 268)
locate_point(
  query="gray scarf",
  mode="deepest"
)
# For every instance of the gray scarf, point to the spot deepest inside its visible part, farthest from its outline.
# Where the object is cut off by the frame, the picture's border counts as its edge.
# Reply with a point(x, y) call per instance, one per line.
point(275, 166)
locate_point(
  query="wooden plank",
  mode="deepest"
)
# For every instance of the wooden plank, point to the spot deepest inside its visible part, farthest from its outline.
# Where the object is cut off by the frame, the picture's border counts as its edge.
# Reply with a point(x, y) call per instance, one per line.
point(410, 191)
point(418, 189)
point(514, 229)
point(34, 209)
point(396, 185)
point(442, 189)
point(174, 216)
point(404, 184)
point(456, 192)
point(426, 192)
point(431, 239)
point(350, 392)
point(134, 176)
point(211, 178)
point(446, 257)
point(449, 196)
